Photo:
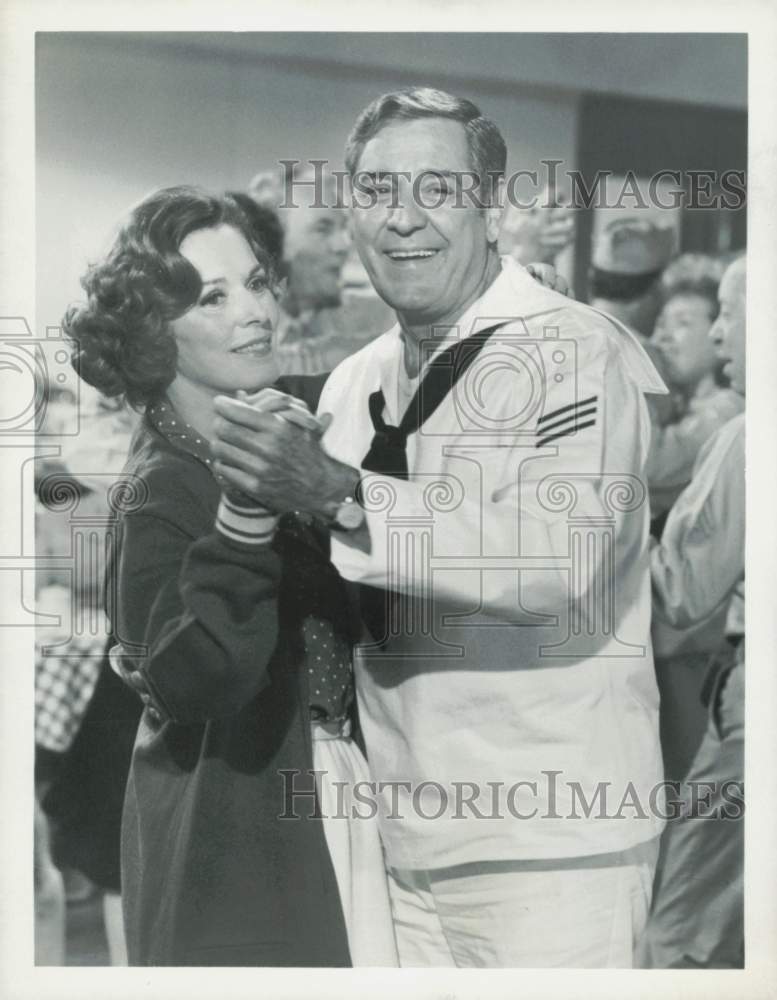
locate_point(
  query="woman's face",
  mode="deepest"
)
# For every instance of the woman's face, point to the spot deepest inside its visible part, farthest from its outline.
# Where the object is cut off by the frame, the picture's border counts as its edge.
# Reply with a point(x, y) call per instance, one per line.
point(225, 339)
point(682, 337)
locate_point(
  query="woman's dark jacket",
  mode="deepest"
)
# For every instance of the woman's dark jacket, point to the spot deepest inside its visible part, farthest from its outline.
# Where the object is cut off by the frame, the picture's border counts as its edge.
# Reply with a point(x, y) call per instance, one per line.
point(210, 874)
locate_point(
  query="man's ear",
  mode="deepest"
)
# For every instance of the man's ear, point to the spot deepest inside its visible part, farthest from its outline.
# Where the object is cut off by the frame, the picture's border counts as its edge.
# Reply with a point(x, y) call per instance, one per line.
point(495, 211)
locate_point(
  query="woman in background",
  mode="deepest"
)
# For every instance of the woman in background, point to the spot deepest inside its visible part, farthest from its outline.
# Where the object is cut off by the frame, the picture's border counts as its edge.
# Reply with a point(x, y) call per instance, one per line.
point(689, 288)
point(234, 626)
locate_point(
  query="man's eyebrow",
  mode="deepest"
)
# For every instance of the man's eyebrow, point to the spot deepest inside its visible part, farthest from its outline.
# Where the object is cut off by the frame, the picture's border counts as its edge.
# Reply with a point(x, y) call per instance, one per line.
point(379, 175)
point(213, 281)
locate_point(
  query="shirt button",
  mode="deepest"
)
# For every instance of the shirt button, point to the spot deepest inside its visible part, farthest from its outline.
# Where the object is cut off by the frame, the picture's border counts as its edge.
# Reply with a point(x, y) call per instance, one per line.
point(153, 714)
point(136, 680)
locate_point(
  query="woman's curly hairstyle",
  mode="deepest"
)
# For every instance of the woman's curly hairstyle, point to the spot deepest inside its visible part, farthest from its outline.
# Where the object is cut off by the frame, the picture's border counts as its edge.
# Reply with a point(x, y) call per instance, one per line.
point(122, 344)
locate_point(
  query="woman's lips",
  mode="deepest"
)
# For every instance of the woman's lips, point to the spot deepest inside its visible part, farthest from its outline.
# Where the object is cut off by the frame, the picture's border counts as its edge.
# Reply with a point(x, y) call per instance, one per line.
point(260, 347)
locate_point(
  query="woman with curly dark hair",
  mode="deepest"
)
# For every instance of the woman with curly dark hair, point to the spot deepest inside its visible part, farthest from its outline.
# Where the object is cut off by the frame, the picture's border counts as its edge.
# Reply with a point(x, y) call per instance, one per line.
point(233, 626)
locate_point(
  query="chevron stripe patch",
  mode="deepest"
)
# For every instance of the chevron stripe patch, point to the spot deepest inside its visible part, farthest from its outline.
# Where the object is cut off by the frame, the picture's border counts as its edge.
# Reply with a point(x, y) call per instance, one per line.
point(566, 420)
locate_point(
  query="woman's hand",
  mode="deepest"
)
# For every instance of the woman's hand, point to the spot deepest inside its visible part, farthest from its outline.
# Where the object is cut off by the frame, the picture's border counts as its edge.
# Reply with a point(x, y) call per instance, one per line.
point(549, 277)
point(285, 406)
point(274, 455)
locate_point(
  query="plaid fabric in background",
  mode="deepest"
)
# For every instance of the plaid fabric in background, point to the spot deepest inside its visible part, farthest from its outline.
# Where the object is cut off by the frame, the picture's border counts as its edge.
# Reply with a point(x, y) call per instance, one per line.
point(64, 683)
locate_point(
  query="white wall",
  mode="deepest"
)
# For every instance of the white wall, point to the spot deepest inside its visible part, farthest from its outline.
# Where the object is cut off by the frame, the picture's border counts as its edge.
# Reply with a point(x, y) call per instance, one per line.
point(114, 123)
point(698, 68)
point(120, 115)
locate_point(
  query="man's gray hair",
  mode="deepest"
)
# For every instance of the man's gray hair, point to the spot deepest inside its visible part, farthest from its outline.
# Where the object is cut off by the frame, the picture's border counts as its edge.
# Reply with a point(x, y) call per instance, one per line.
point(486, 144)
point(736, 274)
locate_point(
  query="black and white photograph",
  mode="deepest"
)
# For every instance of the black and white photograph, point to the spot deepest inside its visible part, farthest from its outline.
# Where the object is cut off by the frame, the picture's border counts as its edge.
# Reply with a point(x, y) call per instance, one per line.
point(379, 507)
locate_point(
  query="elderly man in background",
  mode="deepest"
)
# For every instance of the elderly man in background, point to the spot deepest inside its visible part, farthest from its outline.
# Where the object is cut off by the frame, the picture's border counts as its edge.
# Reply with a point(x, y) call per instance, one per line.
point(329, 310)
point(499, 664)
point(697, 918)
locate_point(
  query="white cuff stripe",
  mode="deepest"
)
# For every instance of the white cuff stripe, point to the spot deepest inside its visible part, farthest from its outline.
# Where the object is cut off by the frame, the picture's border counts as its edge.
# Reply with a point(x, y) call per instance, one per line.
point(250, 510)
point(254, 528)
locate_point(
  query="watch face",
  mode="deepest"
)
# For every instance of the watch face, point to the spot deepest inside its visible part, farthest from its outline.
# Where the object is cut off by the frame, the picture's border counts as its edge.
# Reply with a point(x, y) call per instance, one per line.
point(349, 516)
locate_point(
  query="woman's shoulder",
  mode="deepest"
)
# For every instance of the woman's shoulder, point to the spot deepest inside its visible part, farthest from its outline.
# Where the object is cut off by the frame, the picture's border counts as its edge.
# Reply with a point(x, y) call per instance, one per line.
point(167, 482)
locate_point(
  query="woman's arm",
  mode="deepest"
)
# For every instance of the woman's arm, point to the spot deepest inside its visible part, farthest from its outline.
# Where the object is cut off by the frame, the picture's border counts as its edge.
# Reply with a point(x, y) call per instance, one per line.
point(202, 610)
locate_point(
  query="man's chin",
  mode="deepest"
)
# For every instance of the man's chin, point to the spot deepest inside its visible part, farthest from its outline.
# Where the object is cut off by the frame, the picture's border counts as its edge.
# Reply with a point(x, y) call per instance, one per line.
point(404, 299)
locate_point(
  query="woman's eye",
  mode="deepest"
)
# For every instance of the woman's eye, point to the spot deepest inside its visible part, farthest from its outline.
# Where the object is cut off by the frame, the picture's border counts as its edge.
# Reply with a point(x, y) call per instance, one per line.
point(258, 283)
point(212, 298)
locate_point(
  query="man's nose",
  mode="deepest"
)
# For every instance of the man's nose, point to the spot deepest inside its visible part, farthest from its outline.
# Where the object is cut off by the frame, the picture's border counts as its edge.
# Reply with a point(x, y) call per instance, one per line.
point(405, 214)
point(716, 333)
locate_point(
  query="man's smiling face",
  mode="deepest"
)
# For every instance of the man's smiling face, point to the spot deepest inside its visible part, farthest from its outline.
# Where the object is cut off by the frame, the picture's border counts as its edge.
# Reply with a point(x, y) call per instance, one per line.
point(429, 263)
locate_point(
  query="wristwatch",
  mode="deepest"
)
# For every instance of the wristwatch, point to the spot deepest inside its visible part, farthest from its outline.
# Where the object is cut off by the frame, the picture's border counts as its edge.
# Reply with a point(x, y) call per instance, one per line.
point(348, 515)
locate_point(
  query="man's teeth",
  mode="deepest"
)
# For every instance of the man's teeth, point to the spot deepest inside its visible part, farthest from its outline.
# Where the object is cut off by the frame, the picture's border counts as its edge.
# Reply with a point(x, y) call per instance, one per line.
point(259, 345)
point(410, 254)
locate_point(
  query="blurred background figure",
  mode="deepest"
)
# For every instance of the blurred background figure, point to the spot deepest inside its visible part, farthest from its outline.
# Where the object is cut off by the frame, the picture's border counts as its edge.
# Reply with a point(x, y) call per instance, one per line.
point(329, 310)
point(698, 569)
point(627, 262)
point(539, 234)
point(703, 402)
point(49, 890)
point(85, 719)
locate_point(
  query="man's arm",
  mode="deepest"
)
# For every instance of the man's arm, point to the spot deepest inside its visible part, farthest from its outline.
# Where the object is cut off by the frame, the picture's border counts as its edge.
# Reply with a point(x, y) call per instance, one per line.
point(286, 467)
point(675, 447)
point(700, 558)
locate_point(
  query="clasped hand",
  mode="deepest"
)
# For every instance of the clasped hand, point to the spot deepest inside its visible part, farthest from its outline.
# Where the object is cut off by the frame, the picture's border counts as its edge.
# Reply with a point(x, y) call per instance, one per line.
point(268, 447)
